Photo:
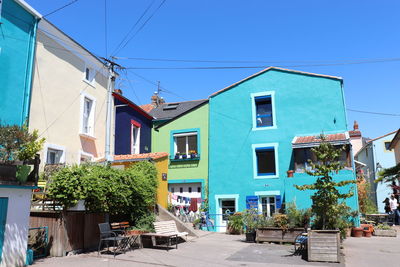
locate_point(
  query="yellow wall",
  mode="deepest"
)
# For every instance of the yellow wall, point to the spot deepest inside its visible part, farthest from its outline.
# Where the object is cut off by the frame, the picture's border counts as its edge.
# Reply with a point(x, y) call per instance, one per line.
point(162, 167)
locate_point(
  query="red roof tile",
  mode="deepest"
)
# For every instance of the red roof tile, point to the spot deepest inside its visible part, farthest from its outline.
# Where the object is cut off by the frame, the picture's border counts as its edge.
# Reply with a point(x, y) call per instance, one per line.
point(317, 139)
point(147, 107)
point(155, 155)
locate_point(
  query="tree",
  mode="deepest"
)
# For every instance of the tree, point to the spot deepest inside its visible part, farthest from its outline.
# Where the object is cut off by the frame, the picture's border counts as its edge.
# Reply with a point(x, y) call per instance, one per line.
point(327, 211)
point(389, 174)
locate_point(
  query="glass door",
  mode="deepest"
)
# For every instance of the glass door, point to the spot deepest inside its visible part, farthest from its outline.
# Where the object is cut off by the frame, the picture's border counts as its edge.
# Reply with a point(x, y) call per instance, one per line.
point(226, 208)
point(268, 206)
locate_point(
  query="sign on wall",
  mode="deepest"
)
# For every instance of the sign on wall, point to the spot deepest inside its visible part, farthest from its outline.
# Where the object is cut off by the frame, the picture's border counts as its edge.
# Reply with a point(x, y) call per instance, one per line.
point(164, 176)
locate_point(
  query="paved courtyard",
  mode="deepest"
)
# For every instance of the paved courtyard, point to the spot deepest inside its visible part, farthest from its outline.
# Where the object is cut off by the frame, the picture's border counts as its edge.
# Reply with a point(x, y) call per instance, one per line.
point(212, 249)
point(215, 249)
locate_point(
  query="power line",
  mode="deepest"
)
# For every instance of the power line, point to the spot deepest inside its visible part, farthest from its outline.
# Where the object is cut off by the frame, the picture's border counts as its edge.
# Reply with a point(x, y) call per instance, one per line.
point(141, 27)
point(58, 9)
point(132, 28)
point(375, 113)
point(265, 66)
point(131, 87)
point(163, 89)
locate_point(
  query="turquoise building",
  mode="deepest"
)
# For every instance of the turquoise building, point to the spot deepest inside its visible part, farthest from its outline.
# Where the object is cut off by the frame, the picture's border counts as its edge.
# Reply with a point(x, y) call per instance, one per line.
point(264, 126)
point(17, 48)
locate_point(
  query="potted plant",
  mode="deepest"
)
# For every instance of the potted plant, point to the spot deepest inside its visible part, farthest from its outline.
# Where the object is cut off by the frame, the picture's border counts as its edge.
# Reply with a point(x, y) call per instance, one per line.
point(193, 154)
point(290, 173)
point(323, 241)
point(18, 149)
point(184, 156)
point(197, 224)
point(235, 224)
point(177, 155)
point(250, 220)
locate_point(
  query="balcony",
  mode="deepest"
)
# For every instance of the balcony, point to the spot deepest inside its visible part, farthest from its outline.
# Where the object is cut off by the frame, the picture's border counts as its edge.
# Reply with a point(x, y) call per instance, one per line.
point(20, 173)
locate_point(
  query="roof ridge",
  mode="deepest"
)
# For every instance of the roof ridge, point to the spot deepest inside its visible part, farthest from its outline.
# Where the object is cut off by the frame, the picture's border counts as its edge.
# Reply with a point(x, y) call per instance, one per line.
point(371, 140)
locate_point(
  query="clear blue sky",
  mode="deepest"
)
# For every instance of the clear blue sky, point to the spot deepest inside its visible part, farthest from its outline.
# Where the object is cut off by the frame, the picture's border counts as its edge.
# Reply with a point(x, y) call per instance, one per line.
point(281, 33)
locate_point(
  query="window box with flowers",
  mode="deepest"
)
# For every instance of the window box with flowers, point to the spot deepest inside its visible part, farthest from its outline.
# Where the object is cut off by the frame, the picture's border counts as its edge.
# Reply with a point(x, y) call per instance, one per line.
point(185, 145)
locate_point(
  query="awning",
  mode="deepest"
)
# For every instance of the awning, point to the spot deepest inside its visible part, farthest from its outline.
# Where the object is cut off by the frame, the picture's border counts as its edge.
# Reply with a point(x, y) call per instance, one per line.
point(315, 140)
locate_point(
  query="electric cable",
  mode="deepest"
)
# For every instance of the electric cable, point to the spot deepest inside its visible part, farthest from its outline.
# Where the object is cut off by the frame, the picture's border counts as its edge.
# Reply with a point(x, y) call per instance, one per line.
point(60, 8)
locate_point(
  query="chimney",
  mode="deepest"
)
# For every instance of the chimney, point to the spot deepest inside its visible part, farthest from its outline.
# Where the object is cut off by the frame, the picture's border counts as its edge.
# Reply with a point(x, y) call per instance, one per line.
point(356, 133)
point(355, 126)
point(156, 100)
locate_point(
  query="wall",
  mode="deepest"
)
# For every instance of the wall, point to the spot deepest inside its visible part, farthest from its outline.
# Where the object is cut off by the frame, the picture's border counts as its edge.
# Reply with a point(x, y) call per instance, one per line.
point(304, 105)
point(123, 117)
point(16, 234)
point(185, 171)
point(386, 159)
point(18, 30)
point(58, 89)
point(397, 152)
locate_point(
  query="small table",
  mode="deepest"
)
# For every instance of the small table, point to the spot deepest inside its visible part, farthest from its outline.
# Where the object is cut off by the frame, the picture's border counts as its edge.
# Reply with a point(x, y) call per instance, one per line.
point(134, 240)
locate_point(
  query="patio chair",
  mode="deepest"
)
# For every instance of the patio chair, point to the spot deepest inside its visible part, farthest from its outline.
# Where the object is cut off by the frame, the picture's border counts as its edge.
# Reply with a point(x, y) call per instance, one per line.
point(300, 244)
point(108, 236)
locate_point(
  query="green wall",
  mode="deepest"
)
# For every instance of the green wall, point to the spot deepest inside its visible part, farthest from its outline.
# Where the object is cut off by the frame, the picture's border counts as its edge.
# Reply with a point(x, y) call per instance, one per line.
point(162, 141)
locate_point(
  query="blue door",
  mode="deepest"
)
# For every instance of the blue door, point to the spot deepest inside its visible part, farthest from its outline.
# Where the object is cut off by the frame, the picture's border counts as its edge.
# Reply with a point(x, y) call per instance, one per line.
point(3, 219)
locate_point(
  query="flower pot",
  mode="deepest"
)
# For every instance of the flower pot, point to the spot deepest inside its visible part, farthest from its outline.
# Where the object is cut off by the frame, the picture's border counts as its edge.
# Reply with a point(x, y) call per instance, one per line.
point(290, 173)
point(367, 233)
point(251, 236)
point(176, 156)
point(357, 232)
point(184, 156)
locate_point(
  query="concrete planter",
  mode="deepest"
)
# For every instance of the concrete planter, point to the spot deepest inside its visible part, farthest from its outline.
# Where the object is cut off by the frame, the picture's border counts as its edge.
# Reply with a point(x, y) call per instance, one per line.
point(323, 245)
point(388, 233)
point(80, 206)
point(276, 234)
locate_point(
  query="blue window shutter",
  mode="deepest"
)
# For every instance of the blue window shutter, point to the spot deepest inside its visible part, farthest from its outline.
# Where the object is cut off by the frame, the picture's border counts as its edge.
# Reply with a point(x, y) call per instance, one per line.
point(3, 221)
point(278, 201)
point(251, 202)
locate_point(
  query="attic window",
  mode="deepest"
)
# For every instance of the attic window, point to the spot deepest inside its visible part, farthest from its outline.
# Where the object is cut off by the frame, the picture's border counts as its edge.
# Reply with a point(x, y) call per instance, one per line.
point(170, 106)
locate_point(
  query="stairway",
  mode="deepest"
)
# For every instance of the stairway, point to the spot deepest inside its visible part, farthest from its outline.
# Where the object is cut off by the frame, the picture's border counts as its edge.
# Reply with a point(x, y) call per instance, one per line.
point(164, 215)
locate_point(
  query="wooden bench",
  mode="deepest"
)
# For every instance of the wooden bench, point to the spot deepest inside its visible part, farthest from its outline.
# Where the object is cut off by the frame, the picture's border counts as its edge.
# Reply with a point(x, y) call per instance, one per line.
point(121, 226)
point(166, 230)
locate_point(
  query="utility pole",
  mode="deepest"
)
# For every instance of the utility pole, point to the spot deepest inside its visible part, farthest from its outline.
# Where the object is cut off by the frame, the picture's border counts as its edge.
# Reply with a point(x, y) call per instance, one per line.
point(110, 88)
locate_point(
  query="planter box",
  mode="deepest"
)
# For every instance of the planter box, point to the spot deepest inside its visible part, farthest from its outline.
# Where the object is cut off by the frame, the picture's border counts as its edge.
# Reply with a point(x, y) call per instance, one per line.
point(275, 234)
point(80, 206)
point(323, 245)
point(389, 233)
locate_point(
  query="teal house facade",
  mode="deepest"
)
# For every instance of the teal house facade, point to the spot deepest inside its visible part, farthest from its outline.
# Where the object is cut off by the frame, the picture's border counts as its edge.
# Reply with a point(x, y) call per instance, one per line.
point(261, 133)
point(17, 49)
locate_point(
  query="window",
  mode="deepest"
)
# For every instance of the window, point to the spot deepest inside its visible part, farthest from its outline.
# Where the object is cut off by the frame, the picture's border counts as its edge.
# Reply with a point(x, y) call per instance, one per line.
point(89, 74)
point(186, 144)
point(172, 189)
point(268, 206)
point(54, 156)
point(85, 157)
point(227, 208)
point(87, 115)
point(266, 161)
point(135, 139)
point(180, 189)
point(190, 190)
point(263, 110)
point(199, 189)
point(303, 155)
point(387, 146)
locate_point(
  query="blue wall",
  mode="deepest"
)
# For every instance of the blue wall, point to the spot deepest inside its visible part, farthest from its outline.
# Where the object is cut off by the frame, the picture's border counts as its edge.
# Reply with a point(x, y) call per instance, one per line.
point(304, 105)
point(17, 41)
point(123, 117)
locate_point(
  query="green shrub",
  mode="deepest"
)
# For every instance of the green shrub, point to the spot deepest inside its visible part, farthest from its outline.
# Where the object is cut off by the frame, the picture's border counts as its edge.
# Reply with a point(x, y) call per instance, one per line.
point(297, 217)
point(235, 223)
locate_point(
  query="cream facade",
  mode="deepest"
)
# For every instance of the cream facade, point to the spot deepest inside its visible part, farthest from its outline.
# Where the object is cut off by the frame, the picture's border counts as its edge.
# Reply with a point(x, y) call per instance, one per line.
point(69, 99)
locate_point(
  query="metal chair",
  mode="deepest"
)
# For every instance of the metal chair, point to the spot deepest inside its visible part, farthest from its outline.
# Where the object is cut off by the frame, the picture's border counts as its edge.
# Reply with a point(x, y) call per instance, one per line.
point(107, 235)
point(300, 243)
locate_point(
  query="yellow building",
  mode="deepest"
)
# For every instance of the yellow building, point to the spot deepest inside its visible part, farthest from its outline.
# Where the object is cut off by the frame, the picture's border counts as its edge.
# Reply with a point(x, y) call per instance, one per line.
point(160, 159)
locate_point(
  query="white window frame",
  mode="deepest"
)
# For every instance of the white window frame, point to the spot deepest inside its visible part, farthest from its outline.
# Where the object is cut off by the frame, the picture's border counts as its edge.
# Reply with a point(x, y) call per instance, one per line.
point(48, 146)
point(84, 155)
point(187, 141)
point(135, 147)
point(255, 169)
point(91, 132)
point(254, 111)
point(92, 75)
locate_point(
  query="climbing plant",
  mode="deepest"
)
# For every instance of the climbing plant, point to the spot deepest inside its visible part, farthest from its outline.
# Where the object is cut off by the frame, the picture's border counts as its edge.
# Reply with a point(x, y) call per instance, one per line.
point(328, 212)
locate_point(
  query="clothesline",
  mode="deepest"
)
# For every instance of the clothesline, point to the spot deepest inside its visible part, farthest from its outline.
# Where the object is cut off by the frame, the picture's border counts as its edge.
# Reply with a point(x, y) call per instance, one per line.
point(184, 200)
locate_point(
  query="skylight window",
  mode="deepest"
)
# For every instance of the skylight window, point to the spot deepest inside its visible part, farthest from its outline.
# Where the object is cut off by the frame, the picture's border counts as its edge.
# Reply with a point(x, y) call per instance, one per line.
point(170, 106)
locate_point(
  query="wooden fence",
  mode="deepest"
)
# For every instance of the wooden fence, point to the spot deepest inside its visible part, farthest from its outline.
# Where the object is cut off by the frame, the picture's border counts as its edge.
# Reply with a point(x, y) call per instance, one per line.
point(69, 231)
